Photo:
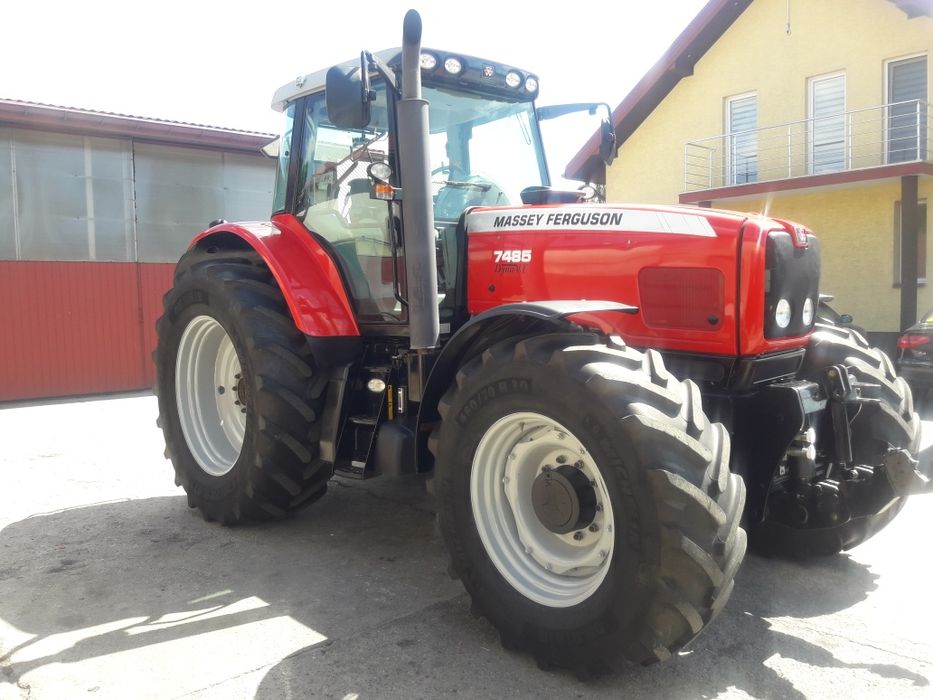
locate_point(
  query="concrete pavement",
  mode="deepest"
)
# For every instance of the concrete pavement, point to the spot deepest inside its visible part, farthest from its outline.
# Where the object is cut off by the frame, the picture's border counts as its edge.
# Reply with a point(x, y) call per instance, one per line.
point(110, 587)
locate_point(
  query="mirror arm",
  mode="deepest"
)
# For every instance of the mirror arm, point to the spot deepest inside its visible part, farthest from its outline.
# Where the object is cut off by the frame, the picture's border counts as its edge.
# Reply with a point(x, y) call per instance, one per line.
point(374, 63)
point(554, 111)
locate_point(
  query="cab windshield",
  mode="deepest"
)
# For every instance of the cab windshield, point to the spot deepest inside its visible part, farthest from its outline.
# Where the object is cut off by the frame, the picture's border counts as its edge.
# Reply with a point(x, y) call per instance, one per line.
point(483, 151)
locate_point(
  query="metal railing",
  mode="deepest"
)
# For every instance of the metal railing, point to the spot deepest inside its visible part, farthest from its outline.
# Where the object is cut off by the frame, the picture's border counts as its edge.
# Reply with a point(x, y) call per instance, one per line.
point(888, 134)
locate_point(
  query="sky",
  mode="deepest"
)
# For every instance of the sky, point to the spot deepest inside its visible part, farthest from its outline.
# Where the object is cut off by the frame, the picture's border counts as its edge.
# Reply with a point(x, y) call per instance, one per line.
point(218, 63)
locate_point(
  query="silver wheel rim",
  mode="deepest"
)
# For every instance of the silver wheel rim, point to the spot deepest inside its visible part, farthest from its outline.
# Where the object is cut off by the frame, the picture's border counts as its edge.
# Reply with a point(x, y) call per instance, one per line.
point(556, 570)
point(209, 394)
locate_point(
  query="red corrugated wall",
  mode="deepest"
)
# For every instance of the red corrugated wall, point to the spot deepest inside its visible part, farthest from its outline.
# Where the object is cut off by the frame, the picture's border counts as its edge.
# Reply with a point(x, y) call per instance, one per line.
point(70, 328)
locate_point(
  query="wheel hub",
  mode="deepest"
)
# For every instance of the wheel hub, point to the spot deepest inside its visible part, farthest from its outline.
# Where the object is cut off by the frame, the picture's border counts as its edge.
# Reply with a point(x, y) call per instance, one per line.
point(542, 509)
point(240, 390)
point(563, 499)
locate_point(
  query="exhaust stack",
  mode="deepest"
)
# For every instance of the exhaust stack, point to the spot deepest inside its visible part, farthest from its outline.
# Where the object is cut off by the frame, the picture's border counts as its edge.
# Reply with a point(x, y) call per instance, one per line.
point(417, 206)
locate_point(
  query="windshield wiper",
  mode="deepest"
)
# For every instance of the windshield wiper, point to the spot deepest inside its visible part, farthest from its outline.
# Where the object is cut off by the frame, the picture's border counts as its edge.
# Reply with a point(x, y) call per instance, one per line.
point(482, 186)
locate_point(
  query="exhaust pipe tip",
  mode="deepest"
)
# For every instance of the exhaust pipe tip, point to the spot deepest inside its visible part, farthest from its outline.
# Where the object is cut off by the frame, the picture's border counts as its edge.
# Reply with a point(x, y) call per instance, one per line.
point(411, 28)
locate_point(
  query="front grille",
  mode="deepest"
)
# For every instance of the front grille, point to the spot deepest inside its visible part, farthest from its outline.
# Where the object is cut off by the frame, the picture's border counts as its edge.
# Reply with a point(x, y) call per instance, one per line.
point(792, 274)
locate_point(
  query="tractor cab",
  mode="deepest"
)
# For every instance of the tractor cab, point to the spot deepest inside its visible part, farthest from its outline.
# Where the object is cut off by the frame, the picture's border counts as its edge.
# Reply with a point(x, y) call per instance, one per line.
point(340, 168)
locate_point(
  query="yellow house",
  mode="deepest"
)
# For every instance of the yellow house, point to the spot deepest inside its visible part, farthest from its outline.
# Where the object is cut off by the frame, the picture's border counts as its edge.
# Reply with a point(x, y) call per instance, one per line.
point(810, 110)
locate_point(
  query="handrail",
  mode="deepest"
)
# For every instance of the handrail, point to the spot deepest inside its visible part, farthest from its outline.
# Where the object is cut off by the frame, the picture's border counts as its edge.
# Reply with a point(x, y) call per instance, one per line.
point(897, 132)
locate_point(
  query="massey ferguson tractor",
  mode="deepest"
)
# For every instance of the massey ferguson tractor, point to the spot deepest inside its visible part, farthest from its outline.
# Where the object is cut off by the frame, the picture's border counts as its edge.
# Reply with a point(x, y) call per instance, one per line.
point(605, 398)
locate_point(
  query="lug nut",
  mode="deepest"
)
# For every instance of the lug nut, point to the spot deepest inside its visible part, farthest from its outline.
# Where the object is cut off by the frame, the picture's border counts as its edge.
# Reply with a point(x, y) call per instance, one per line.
point(599, 507)
point(578, 464)
point(220, 390)
point(578, 535)
point(594, 528)
point(546, 468)
point(561, 459)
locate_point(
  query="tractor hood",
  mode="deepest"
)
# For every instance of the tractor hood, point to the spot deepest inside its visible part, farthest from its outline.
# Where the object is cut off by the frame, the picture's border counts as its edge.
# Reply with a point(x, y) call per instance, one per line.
point(694, 273)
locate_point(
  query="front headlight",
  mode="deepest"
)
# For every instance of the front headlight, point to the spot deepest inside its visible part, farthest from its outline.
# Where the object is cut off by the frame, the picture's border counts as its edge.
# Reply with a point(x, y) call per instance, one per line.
point(782, 314)
point(808, 312)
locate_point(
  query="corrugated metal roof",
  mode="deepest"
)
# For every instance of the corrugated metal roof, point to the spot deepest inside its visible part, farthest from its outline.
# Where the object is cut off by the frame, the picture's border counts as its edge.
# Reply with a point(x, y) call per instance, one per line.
point(46, 117)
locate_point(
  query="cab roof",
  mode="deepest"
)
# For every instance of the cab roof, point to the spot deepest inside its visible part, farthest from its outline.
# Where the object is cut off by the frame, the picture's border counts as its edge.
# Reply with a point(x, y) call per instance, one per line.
point(478, 73)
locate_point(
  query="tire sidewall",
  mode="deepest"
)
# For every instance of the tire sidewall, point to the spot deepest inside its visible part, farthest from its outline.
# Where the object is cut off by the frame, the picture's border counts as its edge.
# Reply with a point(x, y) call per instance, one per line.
point(518, 386)
point(192, 299)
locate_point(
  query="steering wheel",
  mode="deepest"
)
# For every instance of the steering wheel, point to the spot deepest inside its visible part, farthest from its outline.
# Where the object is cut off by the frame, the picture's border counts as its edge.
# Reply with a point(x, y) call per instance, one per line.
point(474, 190)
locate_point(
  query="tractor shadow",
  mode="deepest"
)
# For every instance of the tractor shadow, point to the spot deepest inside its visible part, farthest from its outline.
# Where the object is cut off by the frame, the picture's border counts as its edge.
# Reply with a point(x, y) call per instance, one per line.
point(444, 651)
point(92, 581)
point(364, 570)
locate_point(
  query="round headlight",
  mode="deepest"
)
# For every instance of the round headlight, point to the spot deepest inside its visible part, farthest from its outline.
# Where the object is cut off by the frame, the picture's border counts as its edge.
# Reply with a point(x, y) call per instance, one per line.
point(808, 312)
point(379, 171)
point(453, 66)
point(782, 313)
point(428, 61)
point(513, 79)
point(531, 84)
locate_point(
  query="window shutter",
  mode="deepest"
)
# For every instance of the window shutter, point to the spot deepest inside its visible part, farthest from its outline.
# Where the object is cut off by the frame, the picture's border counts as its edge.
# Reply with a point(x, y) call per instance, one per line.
point(907, 81)
point(828, 124)
point(743, 140)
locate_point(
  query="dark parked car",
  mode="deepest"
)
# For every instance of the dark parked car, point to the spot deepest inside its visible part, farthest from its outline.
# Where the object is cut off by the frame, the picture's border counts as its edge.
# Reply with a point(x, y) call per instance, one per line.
point(915, 355)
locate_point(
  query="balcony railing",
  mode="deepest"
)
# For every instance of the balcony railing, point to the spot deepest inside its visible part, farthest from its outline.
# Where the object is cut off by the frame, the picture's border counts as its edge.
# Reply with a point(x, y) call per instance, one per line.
point(888, 134)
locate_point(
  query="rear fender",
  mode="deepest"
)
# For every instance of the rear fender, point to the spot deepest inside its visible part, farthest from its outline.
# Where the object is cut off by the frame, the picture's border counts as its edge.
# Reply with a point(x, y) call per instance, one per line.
point(305, 272)
point(490, 327)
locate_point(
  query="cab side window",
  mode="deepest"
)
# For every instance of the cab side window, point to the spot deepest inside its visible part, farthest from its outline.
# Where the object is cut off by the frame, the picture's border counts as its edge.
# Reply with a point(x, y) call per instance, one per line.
point(334, 203)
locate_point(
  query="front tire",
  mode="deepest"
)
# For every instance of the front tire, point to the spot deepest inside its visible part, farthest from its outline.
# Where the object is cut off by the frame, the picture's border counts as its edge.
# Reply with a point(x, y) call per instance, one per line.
point(535, 435)
point(889, 422)
point(240, 395)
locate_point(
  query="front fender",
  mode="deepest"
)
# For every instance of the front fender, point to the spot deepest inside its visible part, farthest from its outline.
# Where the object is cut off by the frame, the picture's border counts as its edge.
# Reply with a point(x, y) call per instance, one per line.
point(305, 272)
point(490, 327)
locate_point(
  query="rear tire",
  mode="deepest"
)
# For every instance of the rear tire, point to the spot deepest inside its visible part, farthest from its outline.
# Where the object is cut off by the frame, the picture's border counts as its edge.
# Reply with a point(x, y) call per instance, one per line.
point(642, 442)
point(891, 422)
point(244, 450)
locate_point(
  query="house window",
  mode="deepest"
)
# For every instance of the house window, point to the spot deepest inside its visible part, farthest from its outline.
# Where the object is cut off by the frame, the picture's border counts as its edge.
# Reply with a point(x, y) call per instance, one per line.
point(826, 125)
point(742, 139)
point(907, 113)
point(921, 242)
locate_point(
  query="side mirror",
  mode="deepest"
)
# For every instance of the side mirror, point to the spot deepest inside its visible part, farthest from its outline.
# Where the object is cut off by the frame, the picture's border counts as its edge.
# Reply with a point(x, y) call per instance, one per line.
point(607, 142)
point(348, 99)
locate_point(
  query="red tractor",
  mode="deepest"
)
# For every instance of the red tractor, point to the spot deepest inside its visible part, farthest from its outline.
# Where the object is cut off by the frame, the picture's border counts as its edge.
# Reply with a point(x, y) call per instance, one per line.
point(590, 387)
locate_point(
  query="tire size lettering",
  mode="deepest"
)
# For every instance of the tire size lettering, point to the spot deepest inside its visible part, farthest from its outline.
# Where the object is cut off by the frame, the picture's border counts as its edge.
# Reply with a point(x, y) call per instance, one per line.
point(491, 392)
